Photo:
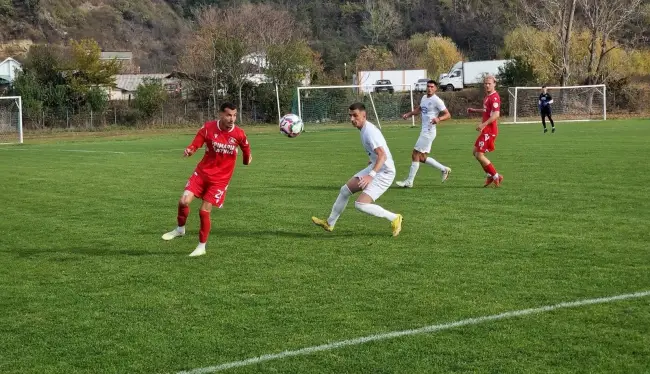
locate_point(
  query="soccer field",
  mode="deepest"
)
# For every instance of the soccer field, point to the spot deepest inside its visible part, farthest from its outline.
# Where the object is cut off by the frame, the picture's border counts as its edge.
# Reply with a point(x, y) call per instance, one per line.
point(88, 286)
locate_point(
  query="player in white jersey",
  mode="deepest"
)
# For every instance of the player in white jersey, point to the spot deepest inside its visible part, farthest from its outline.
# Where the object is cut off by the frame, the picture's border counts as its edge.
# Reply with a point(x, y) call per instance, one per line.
point(433, 111)
point(372, 181)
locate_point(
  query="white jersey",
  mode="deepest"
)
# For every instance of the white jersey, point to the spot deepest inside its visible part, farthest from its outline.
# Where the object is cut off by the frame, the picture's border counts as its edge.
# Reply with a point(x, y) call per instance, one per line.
point(372, 138)
point(430, 107)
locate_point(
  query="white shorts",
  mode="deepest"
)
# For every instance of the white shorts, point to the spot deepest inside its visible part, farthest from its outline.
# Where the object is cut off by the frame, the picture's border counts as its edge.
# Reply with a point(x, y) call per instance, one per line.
point(380, 183)
point(425, 140)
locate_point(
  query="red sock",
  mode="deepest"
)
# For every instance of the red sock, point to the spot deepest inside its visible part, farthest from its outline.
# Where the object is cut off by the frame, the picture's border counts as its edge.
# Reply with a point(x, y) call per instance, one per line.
point(205, 226)
point(489, 168)
point(183, 212)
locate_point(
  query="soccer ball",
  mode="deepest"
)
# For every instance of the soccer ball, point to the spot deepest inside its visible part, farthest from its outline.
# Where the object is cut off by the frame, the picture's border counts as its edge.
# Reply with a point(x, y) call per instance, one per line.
point(291, 125)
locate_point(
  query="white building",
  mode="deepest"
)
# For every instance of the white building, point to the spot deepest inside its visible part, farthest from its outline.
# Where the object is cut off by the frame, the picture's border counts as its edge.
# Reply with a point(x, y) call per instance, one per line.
point(8, 70)
point(259, 64)
point(127, 84)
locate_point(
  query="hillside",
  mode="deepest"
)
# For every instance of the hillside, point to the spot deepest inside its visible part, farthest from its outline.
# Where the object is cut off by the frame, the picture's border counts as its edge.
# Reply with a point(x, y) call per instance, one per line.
point(154, 29)
point(149, 28)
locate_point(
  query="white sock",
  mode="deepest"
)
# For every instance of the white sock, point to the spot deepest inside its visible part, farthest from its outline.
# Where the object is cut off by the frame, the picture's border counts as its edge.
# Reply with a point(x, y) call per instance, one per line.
point(375, 210)
point(339, 205)
point(435, 164)
point(415, 165)
point(200, 246)
point(496, 176)
point(180, 229)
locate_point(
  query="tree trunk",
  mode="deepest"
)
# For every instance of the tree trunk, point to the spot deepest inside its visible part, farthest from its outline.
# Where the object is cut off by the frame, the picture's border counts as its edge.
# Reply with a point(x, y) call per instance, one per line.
point(591, 72)
point(241, 111)
point(568, 13)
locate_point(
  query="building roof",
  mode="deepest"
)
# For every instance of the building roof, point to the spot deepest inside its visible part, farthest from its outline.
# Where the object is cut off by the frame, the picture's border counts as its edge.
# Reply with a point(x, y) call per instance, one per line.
point(120, 55)
point(130, 82)
point(9, 59)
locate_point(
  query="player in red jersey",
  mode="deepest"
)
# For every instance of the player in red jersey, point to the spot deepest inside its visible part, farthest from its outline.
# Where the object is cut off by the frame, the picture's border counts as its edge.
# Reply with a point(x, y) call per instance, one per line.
point(485, 142)
point(212, 175)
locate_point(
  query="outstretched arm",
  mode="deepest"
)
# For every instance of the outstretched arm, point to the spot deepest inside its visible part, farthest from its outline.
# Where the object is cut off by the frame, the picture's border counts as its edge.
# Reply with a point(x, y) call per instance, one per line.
point(414, 112)
point(197, 143)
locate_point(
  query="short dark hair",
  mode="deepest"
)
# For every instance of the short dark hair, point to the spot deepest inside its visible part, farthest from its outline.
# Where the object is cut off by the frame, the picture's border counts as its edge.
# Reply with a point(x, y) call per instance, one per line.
point(358, 106)
point(544, 86)
point(227, 105)
point(431, 81)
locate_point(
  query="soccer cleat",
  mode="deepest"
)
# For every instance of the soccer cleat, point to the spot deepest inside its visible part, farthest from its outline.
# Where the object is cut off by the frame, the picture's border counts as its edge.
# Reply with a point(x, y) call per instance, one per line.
point(322, 223)
point(199, 251)
point(404, 184)
point(497, 182)
point(553, 130)
point(545, 130)
point(488, 181)
point(396, 225)
point(445, 174)
point(172, 234)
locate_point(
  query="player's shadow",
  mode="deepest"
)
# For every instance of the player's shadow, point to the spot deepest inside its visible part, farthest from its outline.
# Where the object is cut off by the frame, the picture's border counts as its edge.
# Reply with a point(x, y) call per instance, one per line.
point(318, 233)
point(90, 250)
point(329, 187)
point(461, 187)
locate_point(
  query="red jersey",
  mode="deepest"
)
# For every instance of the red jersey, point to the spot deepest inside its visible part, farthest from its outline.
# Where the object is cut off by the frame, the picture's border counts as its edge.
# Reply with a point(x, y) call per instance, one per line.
point(220, 157)
point(491, 103)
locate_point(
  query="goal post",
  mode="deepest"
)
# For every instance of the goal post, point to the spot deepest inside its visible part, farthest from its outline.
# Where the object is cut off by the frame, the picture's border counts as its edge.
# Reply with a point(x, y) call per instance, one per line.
point(11, 120)
point(329, 104)
point(570, 103)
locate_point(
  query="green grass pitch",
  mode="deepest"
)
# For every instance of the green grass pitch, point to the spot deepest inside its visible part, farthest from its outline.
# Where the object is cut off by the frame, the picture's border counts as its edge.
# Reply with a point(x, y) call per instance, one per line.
point(88, 286)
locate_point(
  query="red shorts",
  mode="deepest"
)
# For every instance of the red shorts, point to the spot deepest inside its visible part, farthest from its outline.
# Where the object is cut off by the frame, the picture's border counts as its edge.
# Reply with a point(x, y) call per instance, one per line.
point(485, 143)
point(213, 193)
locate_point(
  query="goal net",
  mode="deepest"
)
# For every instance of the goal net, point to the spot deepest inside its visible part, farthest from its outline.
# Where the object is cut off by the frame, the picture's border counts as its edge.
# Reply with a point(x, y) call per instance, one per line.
point(11, 120)
point(570, 103)
point(322, 105)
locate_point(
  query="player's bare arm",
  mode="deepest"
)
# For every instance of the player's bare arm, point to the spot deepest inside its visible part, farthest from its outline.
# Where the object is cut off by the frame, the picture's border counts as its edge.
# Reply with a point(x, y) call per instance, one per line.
point(495, 115)
point(414, 112)
point(381, 159)
point(475, 110)
point(445, 116)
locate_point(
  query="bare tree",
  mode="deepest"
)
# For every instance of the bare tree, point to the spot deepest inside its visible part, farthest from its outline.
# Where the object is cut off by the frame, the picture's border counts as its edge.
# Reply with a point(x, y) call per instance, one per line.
point(603, 19)
point(556, 16)
point(382, 21)
point(406, 56)
point(231, 44)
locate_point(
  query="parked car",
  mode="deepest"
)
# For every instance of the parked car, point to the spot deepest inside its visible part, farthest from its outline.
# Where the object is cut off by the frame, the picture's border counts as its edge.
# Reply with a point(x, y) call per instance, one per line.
point(386, 86)
point(421, 85)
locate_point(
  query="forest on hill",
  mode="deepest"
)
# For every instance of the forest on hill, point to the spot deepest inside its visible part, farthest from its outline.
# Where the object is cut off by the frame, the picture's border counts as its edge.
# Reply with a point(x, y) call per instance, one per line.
point(156, 31)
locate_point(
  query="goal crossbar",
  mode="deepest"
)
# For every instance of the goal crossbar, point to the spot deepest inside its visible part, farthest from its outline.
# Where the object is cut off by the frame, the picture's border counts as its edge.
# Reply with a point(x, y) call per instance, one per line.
point(364, 88)
point(588, 90)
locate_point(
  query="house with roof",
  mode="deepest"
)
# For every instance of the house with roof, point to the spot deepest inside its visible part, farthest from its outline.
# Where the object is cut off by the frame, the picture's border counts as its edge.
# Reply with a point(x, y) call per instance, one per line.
point(124, 58)
point(8, 70)
point(126, 85)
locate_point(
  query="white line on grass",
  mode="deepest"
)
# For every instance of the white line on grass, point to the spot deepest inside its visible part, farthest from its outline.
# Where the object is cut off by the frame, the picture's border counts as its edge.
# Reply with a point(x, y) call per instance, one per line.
point(91, 150)
point(421, 330)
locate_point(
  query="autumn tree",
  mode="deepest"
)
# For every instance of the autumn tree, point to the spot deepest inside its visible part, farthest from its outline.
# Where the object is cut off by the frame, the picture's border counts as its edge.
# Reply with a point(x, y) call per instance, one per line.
point(603, 20)
point(85, 70)
point(440, 54)
point(558, 18)
point(374, 58)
